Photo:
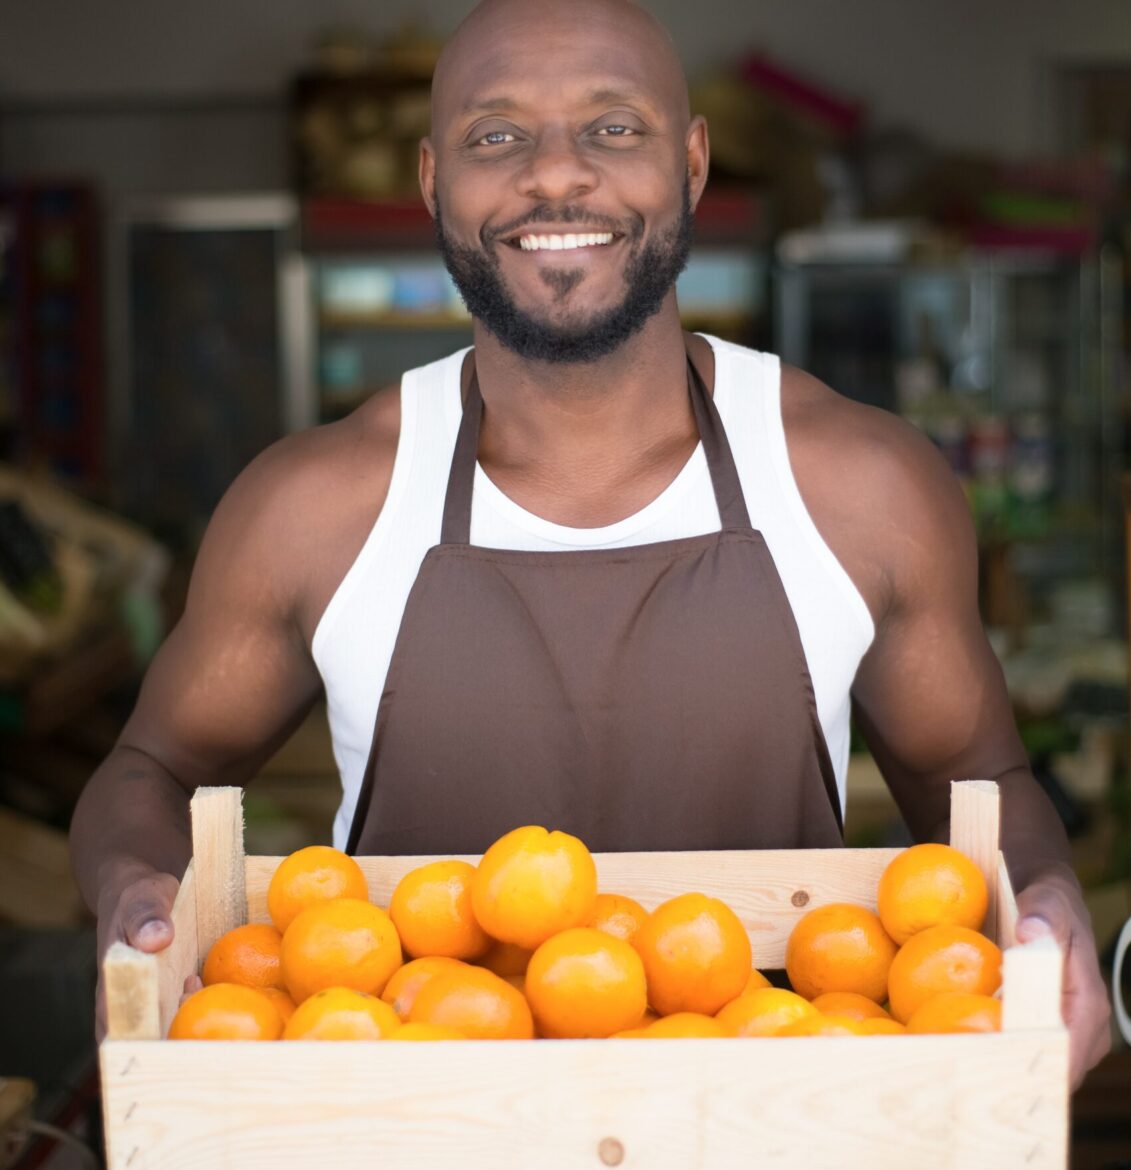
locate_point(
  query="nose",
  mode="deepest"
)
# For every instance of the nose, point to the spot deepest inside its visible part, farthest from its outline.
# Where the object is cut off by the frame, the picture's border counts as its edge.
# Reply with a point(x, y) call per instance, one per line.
point(557, 170)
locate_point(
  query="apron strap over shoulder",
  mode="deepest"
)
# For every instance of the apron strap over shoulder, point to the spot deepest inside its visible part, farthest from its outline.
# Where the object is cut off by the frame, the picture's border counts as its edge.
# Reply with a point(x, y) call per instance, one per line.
point(716, 446)
point(456, 527)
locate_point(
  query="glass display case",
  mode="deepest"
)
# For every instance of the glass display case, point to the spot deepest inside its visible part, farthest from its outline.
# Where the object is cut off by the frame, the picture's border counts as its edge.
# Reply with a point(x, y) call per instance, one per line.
point(1005, 361)
point(210, 361)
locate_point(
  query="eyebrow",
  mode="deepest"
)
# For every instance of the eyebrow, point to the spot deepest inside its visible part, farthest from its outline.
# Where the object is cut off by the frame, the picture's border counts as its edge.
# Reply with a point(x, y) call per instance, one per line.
point(594, 97)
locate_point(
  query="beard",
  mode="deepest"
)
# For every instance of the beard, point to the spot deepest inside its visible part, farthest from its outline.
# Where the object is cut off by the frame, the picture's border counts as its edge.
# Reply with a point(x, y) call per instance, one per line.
point(649, 275)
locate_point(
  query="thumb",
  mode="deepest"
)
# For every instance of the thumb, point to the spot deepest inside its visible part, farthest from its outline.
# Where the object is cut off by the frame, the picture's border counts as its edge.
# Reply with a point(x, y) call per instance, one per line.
point(146, 917)
point(1042, 914)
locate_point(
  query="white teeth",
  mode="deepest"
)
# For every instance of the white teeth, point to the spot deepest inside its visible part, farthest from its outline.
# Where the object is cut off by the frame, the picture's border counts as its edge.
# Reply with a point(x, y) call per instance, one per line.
point(561, 243)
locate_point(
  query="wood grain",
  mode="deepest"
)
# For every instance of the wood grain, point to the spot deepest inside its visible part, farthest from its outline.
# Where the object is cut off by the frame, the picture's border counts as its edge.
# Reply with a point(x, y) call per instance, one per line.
point(975, 828)
point(217, 848)
point(132, 998)
point(1031, 983)
point(860, 1103)
point(182, 957)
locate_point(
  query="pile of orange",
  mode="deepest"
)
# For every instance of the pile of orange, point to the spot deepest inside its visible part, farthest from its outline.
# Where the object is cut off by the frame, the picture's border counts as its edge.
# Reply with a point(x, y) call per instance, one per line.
point(523, 945)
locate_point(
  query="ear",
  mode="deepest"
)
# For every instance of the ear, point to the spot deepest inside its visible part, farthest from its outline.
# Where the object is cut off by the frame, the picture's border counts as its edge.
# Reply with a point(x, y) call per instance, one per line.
point(698, 157)
point(428, 175)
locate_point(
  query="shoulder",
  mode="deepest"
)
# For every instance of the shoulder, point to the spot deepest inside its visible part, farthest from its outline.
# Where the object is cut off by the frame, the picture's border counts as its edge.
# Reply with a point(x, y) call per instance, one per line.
point(297, 515)
point(879, 492)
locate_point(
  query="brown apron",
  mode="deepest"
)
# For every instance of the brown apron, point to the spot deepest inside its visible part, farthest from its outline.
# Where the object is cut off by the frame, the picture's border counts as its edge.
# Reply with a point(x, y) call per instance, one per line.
point(645, 698)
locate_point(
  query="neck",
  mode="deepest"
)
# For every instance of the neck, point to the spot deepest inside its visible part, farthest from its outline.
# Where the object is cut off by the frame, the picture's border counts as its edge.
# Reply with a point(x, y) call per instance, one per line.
point(634, 399)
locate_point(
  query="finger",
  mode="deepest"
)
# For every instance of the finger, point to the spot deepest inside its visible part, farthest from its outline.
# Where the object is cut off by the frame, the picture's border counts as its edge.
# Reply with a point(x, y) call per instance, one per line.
point(193, 983)
point(1043, 912)
point(146, 913)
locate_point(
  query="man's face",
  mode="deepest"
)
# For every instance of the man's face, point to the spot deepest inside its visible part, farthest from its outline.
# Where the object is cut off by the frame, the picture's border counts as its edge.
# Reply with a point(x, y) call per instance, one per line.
point(561, 180)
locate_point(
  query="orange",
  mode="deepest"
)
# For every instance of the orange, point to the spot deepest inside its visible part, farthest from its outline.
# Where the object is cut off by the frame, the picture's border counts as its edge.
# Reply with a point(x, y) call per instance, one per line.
point(687, 1026)
point(881, 1027)
point(227, 1011)
point(763, 1011)
point(696, 955)
point(431, 908)
point(281, 1000)
point(341, 1013)
point(505, 959)
point(426, 1032)
point(821, 1025)
point(942, 958)
point(618, 915)
point(756, 980)
point(584, 983)
point(957, 1011)
point(930, 885)
point(314, 874)
point(531, 884)
point(839, 947)
point(248, 955)
point(341, 943)
point(476, 1002)
point(848, 1003)
point(406, 982)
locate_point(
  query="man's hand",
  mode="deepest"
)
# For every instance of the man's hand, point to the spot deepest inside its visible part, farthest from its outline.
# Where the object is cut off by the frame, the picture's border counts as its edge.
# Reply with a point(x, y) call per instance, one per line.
point(1052, 906)
point(136, 909)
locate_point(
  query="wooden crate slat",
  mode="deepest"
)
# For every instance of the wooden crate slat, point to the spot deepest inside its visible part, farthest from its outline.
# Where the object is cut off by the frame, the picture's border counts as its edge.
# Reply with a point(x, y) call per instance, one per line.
point(217, 848)
point(183, 956)
point(872, 1103)
point(132, 998)
point(1031, 985)
point(1006, 906)
point(975, 828)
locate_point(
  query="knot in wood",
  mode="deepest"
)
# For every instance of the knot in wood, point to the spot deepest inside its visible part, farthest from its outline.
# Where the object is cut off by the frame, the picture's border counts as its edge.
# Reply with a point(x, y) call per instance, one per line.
point(800, 898)
point(610, 1151)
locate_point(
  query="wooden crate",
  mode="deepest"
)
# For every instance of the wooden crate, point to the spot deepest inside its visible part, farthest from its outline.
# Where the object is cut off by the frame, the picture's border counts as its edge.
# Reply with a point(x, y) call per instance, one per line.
point(968, 1101)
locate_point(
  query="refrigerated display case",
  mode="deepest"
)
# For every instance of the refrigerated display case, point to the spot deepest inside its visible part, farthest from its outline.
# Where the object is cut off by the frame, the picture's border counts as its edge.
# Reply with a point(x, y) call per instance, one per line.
point(1009, 362)
point(211, 359)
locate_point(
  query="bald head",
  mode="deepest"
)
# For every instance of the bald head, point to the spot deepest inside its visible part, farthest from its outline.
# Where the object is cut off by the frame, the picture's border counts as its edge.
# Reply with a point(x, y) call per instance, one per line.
point(538, 40)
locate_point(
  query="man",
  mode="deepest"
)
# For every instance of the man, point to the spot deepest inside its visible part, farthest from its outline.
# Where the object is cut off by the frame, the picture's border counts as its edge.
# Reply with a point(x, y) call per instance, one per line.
point(600, 574)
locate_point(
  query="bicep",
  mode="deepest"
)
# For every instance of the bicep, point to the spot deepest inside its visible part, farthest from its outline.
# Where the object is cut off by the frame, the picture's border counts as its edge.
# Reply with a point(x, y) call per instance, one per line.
point(234, 678)
point(930, 697)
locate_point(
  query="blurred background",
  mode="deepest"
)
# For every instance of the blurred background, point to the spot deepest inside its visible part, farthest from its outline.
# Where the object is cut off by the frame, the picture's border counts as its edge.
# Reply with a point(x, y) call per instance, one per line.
point(210, 235)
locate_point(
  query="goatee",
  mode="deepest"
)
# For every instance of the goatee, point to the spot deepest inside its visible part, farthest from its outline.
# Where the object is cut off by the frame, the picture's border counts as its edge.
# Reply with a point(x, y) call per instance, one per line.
point(649, 275)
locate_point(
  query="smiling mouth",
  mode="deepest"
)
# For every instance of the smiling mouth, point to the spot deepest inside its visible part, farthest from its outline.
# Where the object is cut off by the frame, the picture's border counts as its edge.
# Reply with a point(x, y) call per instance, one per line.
point(564, 242)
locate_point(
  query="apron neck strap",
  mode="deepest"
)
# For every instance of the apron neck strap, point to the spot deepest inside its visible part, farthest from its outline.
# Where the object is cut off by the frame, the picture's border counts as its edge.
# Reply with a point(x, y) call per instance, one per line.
point(456, 528)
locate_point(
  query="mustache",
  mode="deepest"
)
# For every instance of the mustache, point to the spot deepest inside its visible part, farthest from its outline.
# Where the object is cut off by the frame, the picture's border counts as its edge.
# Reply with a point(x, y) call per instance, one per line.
point(569, 213)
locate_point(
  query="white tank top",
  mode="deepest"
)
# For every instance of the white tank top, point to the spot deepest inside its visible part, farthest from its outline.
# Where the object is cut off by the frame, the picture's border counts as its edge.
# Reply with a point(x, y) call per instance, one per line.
point(353, 644)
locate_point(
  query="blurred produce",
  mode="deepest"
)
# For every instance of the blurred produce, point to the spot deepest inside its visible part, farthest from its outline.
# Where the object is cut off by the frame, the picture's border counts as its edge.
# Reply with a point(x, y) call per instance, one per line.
point(67, 571)
point(358, 115)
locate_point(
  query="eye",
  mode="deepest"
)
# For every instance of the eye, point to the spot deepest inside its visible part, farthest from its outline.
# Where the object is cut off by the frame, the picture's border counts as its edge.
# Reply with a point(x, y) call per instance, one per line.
point(616, 130)
point(495, 138)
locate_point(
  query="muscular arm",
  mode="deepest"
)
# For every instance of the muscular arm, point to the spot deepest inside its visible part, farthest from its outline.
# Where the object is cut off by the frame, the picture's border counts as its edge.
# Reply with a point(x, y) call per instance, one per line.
point(228, 686)
point(929, 696)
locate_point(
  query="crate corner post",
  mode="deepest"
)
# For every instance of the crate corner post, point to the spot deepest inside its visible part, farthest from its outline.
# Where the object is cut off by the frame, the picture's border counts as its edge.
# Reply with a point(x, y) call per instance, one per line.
point(218, 863)
point(975, 829)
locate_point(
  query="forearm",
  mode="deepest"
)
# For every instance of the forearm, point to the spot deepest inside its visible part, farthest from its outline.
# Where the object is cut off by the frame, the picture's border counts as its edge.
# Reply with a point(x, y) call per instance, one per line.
point(1032, 834)
point(1033, 838)
point(132, 819)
